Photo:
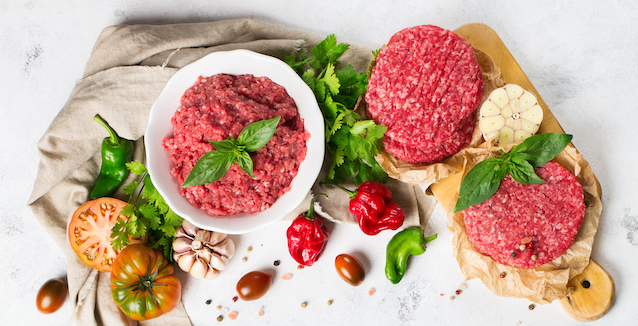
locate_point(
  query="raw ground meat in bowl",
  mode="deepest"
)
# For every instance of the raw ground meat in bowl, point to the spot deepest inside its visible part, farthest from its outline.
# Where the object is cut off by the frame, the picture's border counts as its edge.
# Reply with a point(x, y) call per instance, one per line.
point(307, 125)
point(219, 107)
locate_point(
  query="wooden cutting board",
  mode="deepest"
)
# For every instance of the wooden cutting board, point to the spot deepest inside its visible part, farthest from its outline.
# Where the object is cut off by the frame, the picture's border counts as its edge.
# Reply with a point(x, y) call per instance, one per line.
point(593, 290)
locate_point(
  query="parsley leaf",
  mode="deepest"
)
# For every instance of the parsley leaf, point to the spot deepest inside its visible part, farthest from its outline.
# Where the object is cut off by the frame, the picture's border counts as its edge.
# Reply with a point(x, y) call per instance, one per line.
point(153, 217)
point(351, 143)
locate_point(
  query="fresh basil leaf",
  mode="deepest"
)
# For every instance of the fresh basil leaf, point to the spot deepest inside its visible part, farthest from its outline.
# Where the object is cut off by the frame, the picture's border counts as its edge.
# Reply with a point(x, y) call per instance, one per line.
point(246, 163)
point(540, 149)
point(256, 135)
point(210, 168)
point(227, 145)
point(481, 182)
point(524, 173)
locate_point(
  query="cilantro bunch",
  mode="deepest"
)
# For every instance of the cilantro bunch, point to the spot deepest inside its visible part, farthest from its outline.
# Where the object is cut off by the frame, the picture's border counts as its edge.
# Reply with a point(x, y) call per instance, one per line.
point(352, 142)
point(153, 217)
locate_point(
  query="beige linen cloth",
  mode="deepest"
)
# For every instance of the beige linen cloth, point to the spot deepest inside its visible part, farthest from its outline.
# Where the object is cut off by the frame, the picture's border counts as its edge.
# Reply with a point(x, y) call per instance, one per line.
point(127, 70)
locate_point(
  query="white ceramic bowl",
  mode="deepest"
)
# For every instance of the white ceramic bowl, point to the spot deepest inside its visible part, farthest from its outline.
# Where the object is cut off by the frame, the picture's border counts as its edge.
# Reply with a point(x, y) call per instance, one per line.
point(235, 62)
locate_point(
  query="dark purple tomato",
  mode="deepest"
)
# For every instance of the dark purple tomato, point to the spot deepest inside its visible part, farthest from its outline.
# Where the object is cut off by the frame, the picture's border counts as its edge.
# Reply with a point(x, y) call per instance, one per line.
point(254, 285)
point(349, 269)
point(51, 296)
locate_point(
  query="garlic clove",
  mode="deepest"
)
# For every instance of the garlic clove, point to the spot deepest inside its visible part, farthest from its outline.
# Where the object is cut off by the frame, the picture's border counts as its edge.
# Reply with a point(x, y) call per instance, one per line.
point(527, 100)
point(202, 235)
point(199, 268)
point(499, 97)
point(513, 91)
point(180, 233)
point(185, 261)
point(182, 245)
point(216, 237)
point(189, 228)
point(226, 248)
point(218, 262)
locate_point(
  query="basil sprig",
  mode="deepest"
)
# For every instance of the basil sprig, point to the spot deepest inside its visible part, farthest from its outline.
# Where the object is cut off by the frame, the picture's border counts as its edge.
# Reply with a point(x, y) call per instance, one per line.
point(482, 181)
point(214, 164)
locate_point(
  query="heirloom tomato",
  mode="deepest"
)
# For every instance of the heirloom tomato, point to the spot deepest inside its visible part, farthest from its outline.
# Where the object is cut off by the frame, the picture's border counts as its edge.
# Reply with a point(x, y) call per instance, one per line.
point(143, 284)
point(90, 232)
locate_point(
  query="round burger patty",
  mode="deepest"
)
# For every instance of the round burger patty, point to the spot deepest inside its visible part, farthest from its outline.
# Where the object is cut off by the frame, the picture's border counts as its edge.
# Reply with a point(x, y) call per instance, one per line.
point(425, 87)
point(528, 225)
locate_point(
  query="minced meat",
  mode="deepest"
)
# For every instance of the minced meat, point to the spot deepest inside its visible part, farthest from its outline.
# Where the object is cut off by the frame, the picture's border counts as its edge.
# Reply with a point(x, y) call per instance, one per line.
point(528, 225)
point(220, 106)
point(425, 87)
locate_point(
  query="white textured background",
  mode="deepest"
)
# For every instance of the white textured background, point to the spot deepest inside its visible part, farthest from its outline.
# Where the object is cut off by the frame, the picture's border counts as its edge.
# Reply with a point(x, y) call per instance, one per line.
point(580, 55)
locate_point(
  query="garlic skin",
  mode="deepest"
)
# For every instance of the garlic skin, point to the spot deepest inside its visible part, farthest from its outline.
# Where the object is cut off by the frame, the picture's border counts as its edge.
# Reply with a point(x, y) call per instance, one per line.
point(202, 253)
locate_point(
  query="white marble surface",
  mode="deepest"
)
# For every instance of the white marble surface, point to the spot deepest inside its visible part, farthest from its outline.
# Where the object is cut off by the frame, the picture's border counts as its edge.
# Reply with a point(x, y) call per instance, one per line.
point(580, 55)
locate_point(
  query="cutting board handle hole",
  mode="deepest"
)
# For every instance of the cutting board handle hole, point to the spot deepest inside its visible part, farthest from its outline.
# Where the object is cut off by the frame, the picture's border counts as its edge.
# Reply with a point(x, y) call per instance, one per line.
point(586, 284)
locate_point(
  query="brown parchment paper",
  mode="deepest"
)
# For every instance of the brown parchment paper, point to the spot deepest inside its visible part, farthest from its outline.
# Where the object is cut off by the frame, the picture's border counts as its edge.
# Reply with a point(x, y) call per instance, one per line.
point(544, 283)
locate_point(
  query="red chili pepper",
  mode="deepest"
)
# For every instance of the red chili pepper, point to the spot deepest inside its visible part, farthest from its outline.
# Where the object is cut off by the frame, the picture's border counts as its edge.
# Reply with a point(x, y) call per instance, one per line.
point(307, 236)
point(372, 205)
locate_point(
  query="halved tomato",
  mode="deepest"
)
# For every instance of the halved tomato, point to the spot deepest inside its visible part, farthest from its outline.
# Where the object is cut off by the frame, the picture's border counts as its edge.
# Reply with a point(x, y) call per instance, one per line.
point(90, 232)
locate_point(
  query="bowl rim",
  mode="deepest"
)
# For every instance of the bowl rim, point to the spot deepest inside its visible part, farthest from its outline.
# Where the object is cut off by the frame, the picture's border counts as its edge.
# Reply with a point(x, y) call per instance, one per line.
point(234, 62)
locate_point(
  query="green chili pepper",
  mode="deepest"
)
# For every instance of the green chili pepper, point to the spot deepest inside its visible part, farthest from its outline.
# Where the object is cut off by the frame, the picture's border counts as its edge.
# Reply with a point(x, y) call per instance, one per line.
point(405, 243)
point(116, 152)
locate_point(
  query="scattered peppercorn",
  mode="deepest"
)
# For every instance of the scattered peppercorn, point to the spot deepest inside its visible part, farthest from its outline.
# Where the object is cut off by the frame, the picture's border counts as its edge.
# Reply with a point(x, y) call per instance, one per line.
point(209, 301)
point(218, 308)
point(245, 259)
point(232, 314)
point(451, 298)
point(522, 247)
point(503, 275)
point(531, 307)
point(235, 298)
point(249, 249)
point(329, 302)
point(304, 305)
point(458, 292)
point(220, 318)
point(261, 311)
point(300, 267)
point(276, 263)
point(534, 257)
point(371, 291)
point(513, 254)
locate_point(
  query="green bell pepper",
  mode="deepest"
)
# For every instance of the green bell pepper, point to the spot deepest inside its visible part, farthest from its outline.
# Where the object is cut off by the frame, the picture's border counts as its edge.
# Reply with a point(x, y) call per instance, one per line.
point(405, 243)
point(116, 152)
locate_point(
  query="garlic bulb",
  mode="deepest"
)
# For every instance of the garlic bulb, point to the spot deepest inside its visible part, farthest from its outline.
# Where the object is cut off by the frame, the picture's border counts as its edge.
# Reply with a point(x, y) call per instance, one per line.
point(202, 253)
point(510, 114)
